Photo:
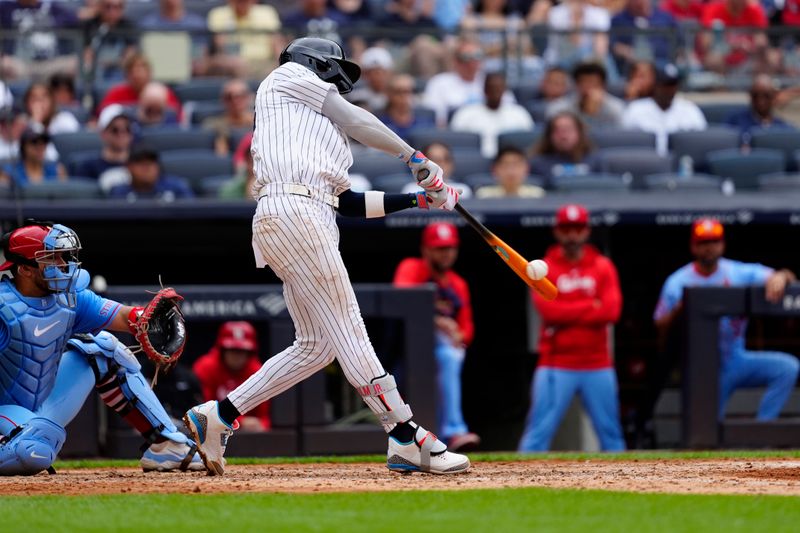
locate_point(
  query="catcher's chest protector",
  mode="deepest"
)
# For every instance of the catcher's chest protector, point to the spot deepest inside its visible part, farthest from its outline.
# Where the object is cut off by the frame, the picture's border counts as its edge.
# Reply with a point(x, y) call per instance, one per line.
point(38, 331)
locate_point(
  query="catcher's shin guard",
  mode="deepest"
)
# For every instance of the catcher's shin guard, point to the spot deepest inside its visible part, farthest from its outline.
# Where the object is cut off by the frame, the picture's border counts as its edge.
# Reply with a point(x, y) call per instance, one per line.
point(124, 389)
point(389, 407)
point(31, 448)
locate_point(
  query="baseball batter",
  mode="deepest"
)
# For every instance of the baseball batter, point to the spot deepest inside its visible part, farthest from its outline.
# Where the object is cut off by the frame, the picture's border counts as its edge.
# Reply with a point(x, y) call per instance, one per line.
point(301, 155)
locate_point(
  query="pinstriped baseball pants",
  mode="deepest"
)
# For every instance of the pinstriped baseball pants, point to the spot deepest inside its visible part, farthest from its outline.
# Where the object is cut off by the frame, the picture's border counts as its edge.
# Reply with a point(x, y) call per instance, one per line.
point(299, 239)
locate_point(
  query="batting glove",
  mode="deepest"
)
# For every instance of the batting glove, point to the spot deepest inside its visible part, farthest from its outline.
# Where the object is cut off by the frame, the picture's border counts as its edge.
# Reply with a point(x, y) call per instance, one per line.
point(446, 198)
point(428, 174)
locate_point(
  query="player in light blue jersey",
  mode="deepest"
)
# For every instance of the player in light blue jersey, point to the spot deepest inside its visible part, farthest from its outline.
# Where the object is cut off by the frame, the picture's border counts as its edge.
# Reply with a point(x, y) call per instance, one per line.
point(53, 352)
point(739, 367)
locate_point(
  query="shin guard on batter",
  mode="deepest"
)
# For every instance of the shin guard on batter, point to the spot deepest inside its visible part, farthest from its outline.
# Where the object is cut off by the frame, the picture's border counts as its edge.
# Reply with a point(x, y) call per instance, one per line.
point(31, 448)
point(387, 405)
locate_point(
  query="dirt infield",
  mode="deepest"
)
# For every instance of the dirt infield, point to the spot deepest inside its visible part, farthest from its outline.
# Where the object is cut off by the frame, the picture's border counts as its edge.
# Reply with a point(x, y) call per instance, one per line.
point(719, 476)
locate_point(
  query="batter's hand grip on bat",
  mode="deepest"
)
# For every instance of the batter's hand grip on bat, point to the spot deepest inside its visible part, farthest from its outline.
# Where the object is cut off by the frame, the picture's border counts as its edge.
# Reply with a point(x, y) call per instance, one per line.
point(518, 264)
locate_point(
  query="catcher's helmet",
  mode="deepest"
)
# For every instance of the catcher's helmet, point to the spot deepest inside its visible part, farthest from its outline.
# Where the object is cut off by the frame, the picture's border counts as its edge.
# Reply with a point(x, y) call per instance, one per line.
point(324, 58)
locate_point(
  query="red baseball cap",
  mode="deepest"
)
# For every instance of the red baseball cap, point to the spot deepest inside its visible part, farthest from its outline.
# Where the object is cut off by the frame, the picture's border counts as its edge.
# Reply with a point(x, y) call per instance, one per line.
point(237, 336)
point(20, 246)
point(440, 235)
point(572, 215)
point(707, 229)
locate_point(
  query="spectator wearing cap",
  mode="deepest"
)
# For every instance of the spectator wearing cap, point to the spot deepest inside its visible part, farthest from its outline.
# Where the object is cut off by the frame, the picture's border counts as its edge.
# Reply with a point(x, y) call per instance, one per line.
point(492, 117)
point(564, 150)
point(377, 69)
point(590, 101)
point(665, 112)
point(447, 91)
point(232, 359)
point(33, 167)
point(642, 32)
point(760, 115)
point(116, 134)
point(147, 179)
point(399, 115)
point(510, 170)
point(452, 321)
point(237, 102)
point(739, 367)
point(574, 354)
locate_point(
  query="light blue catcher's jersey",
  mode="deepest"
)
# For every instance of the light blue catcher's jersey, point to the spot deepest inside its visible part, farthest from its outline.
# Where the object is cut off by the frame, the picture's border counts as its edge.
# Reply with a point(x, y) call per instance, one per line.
point(729, 273)
point(33, 333)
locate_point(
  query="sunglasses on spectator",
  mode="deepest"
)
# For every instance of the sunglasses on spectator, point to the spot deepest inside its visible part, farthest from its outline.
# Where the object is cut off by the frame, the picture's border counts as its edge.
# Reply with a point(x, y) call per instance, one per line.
point(38, 140)
point(231, 96)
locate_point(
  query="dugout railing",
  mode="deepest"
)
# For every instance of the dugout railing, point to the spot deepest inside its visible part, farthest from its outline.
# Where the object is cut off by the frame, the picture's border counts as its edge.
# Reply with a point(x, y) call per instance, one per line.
point(700, 425)
point(303, 424)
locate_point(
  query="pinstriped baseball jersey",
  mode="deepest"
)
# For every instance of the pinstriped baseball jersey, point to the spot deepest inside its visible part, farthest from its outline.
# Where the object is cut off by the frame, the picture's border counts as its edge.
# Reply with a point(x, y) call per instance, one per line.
point(293, 141)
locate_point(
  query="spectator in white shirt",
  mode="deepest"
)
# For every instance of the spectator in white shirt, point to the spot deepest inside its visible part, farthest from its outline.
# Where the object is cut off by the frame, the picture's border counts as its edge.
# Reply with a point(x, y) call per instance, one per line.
point(463, 85)
point(664, 112)
point(493, 117)
point(590, 101)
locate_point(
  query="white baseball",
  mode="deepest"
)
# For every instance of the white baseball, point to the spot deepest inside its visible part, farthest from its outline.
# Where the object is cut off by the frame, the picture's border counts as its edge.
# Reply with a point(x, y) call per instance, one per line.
point(536, 269)
point(99, 284)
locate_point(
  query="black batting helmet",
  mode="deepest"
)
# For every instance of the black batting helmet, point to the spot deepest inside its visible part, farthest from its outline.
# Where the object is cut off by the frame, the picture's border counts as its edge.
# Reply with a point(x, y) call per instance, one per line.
point(325, 58)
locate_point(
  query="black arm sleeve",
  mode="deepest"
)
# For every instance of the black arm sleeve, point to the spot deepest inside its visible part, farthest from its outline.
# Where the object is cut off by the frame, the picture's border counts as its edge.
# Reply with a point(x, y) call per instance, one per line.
point(353, 204)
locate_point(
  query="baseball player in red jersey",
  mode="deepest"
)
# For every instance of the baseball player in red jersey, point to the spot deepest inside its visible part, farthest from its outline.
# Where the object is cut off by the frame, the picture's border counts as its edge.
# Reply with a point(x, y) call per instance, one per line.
point(232, 359)
point(574, 345)
point(453, 320)
point(301, 155)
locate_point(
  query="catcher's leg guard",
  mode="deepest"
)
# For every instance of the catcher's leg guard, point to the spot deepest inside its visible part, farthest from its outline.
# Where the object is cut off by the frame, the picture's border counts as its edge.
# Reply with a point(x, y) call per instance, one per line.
point(31, 447)
point(389, 407)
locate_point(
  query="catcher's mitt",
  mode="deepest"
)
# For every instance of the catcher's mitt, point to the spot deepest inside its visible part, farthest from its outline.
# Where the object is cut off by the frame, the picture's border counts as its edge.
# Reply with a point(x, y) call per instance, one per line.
point(160, 329)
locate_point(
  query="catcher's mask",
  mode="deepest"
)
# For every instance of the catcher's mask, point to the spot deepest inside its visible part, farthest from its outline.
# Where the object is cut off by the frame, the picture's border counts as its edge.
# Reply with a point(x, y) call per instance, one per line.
point(53, 249)
point(325, 58)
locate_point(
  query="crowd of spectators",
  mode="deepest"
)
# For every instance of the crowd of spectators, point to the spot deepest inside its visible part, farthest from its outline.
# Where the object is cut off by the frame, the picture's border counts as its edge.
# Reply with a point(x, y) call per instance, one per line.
point(545, 78)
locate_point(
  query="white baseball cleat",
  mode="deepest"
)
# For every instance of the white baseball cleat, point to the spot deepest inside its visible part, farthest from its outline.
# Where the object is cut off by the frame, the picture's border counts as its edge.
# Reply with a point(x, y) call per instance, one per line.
point(169, 456)
point(425, 453)
point(210, 433)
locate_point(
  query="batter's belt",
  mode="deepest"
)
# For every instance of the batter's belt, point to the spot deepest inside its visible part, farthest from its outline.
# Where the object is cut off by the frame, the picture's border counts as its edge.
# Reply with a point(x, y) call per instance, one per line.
point(273, 189)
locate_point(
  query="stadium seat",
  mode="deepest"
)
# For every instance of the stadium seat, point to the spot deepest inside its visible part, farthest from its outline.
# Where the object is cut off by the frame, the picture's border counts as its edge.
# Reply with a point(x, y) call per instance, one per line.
point(209, 187)
point(524, 140)
point(696, 144)
point(373, 163)
point(200, 89)
point(674, 182)
point(168, 139)
point(468, 162)
point(785, 140)
point(194, 165)
point(718, 113)
point(482, 179)
point(424, 112)
point(744, 169)
point(538, 111)
point(73, 189)
point(634, 162)
point(199, 111)
point(453, 139)
point(779, 182)
point(73, 160)
point(79, 141)
point(393, 183)
point(619, 138)
point(591, 182)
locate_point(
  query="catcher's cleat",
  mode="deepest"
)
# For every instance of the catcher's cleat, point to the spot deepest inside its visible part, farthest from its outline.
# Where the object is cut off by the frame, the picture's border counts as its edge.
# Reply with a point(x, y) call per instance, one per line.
point(210, 433)
point(169, 456)
point(425, 453)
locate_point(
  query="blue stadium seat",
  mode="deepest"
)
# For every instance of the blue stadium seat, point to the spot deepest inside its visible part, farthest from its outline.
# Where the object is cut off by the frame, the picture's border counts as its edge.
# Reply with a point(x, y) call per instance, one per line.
point(393, 183)
point(478, 180)
point(168, 139)
point(619, 138)
point(591, 183)
point(744, 169)
point(454, 139)
point(524, 140)
point(779, 182)
point(372, 163)
point(424, 112)
point(468, 162)
point(73, 189)
point(785, 140)
point(194, 165)
point(634, 162)
point(674, 182)
point(74, 160)
point(696, 144)
point(209, 187)
point(200, 89)
point(203, 110)
point(718, 112)
point(79, 141)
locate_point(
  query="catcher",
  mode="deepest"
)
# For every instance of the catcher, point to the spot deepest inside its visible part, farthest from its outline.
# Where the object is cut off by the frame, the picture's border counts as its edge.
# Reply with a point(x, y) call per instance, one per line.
point(53, 351)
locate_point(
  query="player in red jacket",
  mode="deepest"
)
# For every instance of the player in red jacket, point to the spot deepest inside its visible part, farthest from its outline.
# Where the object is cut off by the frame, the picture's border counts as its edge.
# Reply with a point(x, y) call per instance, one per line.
point(228, 364)
point(453, 321)
point(574, 345)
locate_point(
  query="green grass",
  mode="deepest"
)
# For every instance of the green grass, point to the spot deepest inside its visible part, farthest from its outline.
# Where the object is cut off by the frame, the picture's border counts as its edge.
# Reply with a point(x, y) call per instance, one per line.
point(498, 511)
point(476, 457)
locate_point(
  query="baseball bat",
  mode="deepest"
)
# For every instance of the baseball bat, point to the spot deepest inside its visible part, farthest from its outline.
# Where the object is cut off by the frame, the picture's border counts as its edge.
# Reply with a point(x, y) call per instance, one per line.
point(513, 259)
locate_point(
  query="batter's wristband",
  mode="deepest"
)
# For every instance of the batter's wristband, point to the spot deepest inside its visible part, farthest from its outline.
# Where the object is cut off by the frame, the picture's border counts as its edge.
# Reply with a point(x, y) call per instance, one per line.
point(422, 200)
point(133, 317)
